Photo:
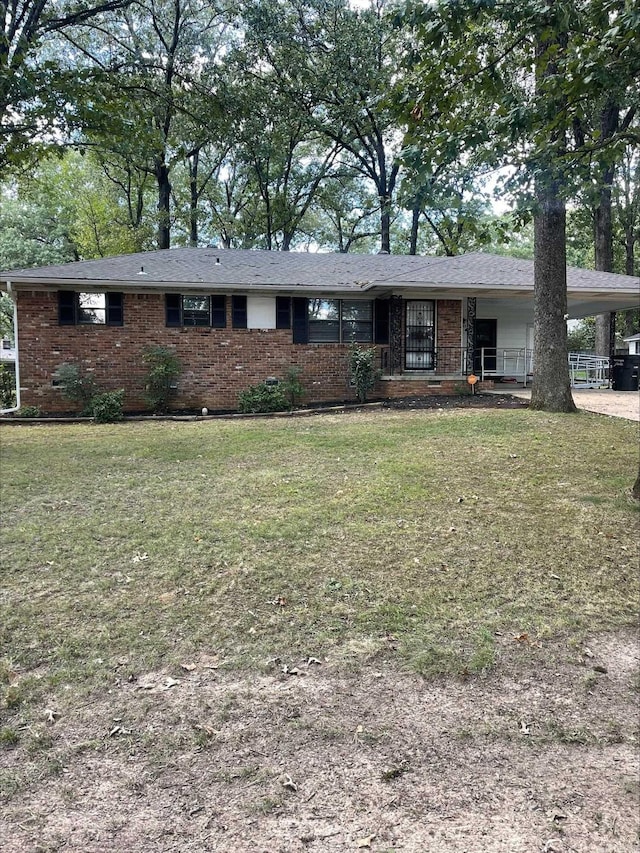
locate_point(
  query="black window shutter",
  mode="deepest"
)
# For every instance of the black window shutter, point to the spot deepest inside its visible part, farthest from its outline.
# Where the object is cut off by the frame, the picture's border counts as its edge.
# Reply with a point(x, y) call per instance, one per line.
point(66, 308)
point(381, 314)
point(219, 312)
point(174, 309)
point(239, 312)
point(283, 312)
point(115, 310)
point(300, 311)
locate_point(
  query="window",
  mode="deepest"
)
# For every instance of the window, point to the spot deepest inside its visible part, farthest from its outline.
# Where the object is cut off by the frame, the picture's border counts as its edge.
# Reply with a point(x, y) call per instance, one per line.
point(91, 309)
point(239, 312)
point(357, 321)
point(340, 320)
point(196, 311)
point(283, 312)
point(324, 320)
point(210, 311)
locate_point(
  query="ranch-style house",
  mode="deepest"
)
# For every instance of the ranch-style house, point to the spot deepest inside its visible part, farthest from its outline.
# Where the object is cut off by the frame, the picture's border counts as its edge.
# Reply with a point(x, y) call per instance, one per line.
point(238, 317)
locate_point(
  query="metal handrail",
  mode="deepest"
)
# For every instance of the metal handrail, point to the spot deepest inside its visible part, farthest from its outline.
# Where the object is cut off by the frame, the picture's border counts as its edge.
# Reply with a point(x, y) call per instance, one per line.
point(505, 361)
point(588, 371)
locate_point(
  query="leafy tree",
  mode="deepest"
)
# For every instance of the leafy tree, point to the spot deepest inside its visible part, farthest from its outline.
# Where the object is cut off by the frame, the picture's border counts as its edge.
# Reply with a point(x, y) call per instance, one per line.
point(521, 77)
point(451, 201)
point(582, 337)
point(199, 169)
point(64, 210)
point(33, 233)
point(336, 64)
point(36, 216)
point(36, 84)
point(132, 186)
point(345, 215)
point(626, 210)
point(288, 163)
point(229, 205)
point(6, 317)
point(156, 97)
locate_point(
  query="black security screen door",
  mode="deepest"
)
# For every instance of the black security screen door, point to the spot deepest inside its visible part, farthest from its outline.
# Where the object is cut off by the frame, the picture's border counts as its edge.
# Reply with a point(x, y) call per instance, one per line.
point(419, 350)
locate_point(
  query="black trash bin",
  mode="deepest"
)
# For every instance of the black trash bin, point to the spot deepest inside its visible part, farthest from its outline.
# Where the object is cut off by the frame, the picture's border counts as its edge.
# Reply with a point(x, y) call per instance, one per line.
point(625, 370)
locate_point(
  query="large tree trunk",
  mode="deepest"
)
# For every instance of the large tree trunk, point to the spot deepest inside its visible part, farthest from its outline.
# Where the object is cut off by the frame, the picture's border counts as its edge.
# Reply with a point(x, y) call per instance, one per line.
point(604, 263)
point(415, 220)
point(603, 341)
point(193, 161)
point(551, 384)
point(386, 185)
point(385, 229)
point(603, 226)
point(551, 389)
point(164, 205)
point(630, 323)
point(629, 251)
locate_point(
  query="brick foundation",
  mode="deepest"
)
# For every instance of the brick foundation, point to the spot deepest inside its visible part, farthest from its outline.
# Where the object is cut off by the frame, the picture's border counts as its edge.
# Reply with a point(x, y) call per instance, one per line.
point(395, 388)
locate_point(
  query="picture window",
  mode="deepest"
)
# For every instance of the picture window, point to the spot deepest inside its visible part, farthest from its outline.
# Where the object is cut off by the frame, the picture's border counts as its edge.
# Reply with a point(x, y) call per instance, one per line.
point(340, 321)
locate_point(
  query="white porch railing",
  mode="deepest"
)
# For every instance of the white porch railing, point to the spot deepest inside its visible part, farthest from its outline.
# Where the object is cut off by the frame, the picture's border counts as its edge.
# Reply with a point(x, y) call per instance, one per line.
point(510, 363)
point(585, 370)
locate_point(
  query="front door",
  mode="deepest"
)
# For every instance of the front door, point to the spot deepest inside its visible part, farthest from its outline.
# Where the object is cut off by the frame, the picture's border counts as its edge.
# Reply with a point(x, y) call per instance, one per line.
point(486, 339)
point(419, 345)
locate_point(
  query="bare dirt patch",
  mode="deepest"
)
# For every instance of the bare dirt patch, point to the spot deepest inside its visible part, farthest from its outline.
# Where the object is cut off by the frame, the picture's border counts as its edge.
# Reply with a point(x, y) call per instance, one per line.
point(538, 755)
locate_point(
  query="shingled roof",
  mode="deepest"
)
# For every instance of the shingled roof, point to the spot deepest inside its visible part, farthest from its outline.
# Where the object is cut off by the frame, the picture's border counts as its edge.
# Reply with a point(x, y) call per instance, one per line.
point(478, 268)
point(224, 268)
point(254, 270)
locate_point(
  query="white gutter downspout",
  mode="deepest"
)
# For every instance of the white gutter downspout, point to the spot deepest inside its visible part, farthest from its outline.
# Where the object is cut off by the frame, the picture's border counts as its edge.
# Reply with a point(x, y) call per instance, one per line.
point(11, 293)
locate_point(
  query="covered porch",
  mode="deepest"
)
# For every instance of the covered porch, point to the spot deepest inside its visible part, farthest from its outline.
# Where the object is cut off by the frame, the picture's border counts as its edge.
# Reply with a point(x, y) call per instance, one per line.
point(436, 344)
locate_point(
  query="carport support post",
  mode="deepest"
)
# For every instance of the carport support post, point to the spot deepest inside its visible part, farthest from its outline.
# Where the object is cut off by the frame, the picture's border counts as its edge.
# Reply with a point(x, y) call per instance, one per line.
point(612, 343)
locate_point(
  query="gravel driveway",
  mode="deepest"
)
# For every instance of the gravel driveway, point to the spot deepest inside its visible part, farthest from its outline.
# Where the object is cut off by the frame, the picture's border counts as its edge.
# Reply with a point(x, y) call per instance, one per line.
point(619, 404)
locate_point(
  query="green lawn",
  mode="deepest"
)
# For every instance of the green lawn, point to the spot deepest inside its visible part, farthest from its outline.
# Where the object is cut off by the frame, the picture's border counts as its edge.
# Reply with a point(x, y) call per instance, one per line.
point(341, 536)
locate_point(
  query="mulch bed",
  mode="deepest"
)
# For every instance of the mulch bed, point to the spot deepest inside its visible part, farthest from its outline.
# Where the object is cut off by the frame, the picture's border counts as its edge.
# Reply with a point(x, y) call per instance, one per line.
point(475, 401)
point(466, 401)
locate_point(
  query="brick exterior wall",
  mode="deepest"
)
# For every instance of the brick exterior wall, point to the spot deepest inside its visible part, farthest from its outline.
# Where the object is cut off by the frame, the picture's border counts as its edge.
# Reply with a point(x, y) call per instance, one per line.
point(449, 323)
point(217, 363)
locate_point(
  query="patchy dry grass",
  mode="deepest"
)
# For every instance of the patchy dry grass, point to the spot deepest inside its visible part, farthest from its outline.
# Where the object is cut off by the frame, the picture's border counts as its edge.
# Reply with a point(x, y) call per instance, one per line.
point(161, 580)
point(335, 535)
